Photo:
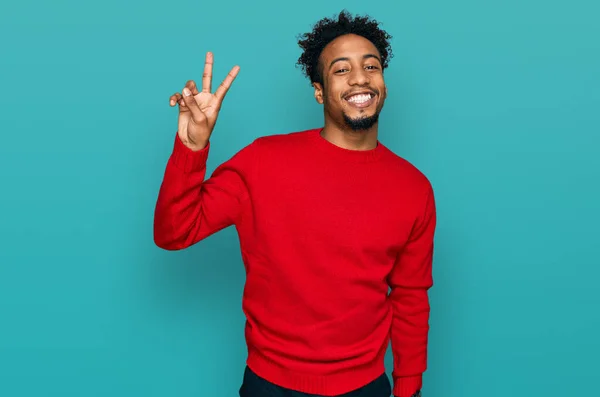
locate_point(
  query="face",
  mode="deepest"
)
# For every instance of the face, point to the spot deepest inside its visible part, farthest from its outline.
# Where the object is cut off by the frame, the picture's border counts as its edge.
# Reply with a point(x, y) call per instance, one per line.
point(353, 90)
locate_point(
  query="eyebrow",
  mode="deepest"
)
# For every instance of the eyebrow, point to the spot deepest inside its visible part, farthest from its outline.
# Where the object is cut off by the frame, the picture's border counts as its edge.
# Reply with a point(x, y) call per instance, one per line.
point(366, 56)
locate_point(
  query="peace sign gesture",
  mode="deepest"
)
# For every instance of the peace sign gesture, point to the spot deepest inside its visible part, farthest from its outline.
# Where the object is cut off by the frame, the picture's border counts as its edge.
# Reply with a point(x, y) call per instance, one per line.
point(198, 110)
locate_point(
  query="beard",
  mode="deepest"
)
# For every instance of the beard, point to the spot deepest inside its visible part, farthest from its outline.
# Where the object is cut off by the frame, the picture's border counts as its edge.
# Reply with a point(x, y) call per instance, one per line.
point(361, 123)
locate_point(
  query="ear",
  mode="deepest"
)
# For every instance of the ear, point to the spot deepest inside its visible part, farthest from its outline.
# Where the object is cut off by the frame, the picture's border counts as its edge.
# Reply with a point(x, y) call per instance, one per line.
point(318, 92)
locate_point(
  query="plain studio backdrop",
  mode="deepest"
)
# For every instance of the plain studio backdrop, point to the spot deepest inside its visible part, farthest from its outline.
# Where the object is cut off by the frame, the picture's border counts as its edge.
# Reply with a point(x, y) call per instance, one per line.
point(498, 103)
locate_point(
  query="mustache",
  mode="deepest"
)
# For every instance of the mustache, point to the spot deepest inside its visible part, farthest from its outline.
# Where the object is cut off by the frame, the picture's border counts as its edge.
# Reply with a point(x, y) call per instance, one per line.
point(373, 90)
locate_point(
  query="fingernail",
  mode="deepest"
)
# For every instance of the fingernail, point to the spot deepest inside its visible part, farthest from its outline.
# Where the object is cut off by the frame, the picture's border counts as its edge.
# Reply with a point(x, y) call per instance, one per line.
point(186, 91)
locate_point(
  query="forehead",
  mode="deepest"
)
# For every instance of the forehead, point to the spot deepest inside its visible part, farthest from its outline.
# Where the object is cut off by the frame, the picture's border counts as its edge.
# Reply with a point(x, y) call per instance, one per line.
point(349, 46)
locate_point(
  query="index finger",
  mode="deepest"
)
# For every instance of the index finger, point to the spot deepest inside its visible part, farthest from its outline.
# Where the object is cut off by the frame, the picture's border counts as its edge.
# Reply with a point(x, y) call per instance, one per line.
point(207, 75)
point(224, 87)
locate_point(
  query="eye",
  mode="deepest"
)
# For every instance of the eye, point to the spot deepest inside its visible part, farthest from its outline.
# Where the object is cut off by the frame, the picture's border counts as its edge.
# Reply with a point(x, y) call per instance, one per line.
point(341, 70)
point(372, 67)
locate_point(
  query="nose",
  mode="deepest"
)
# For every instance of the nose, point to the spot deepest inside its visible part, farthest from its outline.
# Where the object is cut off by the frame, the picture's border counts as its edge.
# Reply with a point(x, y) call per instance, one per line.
point(358, 76)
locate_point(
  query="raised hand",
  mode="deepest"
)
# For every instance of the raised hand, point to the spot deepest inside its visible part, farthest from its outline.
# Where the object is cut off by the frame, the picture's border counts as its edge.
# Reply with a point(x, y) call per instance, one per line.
point(198, 110)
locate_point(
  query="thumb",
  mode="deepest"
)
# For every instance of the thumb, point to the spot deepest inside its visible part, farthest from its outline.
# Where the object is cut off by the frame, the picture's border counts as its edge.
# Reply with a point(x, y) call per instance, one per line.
point(198, 116)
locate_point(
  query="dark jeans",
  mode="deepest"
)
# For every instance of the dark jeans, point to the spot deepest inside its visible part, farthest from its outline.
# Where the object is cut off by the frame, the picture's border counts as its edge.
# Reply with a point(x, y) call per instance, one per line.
point(255, 386)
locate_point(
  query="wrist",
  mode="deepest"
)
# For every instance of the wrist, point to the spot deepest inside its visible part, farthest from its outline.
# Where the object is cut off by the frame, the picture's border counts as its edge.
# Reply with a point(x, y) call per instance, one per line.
point(407, 386)
point(416, 394)
point(187, 159)
point(198, 146)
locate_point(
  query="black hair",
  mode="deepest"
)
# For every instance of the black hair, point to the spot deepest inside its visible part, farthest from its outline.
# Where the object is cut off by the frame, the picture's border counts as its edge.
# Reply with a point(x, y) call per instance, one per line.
point(328, 29)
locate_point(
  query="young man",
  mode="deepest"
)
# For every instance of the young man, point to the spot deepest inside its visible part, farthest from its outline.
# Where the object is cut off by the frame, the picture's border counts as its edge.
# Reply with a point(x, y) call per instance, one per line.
point(330, 221)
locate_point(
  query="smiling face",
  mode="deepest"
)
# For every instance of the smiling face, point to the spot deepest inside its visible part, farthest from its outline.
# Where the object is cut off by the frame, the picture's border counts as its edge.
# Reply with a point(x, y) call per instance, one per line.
point(353, 90)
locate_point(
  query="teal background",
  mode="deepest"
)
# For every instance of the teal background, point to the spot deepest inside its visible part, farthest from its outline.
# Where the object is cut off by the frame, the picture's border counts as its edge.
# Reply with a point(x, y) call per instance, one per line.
point(497, 102)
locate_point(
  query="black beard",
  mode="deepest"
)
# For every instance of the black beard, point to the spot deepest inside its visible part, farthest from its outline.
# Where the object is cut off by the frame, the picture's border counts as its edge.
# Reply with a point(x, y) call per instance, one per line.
point(361, 123)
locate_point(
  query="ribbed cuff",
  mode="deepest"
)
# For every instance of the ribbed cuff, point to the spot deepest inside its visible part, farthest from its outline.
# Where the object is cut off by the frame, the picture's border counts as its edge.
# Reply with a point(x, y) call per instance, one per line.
point(406, 386)
point(186, 159)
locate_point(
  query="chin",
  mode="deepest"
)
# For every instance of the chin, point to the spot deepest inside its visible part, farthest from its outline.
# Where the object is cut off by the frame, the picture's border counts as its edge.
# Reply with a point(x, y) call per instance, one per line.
point(361, 122)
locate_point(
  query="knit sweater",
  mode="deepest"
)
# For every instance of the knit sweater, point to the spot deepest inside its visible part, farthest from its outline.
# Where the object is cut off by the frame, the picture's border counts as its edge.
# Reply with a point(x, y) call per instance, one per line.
point(337, 245)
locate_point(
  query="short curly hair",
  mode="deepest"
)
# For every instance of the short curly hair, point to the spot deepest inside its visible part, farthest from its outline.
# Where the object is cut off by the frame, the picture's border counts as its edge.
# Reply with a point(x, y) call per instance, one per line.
point(328, 29)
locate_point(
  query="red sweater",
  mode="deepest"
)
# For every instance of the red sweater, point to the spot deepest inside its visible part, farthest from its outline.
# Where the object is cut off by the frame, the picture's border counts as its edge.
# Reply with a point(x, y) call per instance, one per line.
point(326, 233)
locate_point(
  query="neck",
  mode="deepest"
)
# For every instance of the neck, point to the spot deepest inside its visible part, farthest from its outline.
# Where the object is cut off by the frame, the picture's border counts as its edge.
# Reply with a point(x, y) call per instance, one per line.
point(347, 138)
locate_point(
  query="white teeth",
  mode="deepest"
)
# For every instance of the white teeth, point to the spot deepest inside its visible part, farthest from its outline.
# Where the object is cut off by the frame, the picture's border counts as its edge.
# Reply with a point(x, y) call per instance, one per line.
point(362, 98)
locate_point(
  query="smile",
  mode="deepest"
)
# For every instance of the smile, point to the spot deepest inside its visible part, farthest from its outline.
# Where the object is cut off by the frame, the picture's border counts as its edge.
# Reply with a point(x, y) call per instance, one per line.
point(361, 100)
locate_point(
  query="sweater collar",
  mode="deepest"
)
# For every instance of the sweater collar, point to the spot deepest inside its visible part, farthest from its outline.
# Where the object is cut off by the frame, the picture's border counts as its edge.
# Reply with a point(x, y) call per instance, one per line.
point(342, 154)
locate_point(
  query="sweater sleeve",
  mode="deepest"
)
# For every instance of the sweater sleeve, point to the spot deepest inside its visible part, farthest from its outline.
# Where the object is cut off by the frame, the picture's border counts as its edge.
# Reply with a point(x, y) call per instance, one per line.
point(190, 207)
point(409, 282)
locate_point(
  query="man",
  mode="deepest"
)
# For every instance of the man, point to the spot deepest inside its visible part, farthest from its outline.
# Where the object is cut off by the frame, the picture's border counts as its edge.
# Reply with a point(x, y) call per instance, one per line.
point(336, 231)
